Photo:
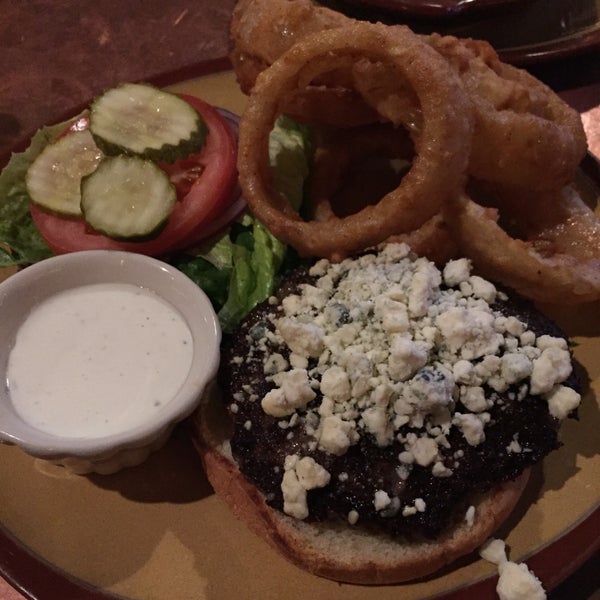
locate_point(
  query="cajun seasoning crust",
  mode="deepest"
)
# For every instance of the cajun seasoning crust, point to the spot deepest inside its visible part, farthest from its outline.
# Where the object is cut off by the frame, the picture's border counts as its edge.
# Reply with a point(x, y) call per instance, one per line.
point(373, 482)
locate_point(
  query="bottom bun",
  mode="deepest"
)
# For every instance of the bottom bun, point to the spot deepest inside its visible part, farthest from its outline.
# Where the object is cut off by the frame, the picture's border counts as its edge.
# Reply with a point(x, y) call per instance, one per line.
point(340, 551)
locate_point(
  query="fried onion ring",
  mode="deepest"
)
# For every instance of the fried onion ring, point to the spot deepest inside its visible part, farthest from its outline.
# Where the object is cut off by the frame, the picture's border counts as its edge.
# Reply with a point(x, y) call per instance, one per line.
point(524, 134)
point(358, 165)
point(555, 259)
point(262, 30)
point(318, 104)
point(265, 29)
point(442, 148)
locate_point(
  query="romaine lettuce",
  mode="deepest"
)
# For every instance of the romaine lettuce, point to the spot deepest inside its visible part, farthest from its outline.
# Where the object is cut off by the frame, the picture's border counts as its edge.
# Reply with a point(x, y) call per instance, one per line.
point(17, 230)
point(248, 256)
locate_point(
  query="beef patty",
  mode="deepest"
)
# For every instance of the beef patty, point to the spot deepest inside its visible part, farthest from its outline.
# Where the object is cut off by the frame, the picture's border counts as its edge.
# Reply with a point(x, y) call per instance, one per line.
point(384, 477)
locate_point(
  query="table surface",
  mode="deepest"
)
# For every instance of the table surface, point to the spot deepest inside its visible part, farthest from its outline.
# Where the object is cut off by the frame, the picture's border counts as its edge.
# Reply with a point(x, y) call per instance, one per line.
point(55, 56)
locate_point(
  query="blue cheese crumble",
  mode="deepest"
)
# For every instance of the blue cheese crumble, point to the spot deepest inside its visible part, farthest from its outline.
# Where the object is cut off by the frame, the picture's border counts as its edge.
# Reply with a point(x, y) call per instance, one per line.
point(388, 340)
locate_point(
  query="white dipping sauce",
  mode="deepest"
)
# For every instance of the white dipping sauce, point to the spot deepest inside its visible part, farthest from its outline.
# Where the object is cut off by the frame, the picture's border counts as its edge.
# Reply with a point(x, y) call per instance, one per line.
point(98, 360)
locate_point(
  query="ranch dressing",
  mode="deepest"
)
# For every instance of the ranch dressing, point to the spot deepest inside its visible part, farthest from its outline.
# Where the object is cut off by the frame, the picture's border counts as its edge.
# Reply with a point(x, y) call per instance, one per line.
point(98, 360)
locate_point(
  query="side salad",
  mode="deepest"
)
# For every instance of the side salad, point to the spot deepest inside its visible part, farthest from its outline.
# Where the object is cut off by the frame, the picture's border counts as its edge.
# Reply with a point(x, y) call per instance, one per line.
point(205, 231)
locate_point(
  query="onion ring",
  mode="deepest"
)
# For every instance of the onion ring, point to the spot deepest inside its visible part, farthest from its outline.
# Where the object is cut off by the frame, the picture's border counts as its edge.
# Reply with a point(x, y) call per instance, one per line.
point(262, 30)
point(352, 168)
point(524, 134)
point(265, 29)
point(437, 171)
point(389, 95)
point(551, 264)
point(322, 105)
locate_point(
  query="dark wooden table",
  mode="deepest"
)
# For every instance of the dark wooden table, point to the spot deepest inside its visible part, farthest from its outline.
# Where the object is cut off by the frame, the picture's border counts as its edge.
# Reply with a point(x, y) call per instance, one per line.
point(55, 55)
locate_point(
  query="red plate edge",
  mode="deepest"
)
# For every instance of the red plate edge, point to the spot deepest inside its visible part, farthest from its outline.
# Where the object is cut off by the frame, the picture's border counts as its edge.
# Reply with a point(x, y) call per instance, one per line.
point(37, 579)
point(552, 564)
point(435, 8)
point(527, 56)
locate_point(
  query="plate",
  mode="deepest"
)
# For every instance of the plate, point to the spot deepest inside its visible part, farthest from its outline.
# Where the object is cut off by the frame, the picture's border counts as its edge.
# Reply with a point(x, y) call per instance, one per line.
point(158, 532)
point(437, 8)
point(523, 32)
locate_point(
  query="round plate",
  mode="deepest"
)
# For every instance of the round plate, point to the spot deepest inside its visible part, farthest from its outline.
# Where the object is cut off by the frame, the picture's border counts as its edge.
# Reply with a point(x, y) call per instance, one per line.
point(523, 31)
point(436, 8)
point(158, 532)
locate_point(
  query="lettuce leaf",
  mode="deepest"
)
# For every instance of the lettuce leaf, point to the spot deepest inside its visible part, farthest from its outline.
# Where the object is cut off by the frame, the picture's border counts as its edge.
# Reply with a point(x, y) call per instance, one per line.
point(248, 257)
point(290, 154)
point(20, 241)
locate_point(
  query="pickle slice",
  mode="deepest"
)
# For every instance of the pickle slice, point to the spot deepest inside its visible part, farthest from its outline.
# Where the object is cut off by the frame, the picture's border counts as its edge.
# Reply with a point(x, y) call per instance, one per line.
point(53, 179)
point(138, 119)
point(127, 198)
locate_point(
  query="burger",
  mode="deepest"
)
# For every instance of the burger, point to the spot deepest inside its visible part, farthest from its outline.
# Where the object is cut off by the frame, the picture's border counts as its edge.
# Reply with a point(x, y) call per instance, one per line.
point(375, 419)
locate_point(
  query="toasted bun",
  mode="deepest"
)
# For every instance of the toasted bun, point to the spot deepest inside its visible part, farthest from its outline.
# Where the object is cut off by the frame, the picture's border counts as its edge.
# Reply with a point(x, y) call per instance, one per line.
point(339, 551)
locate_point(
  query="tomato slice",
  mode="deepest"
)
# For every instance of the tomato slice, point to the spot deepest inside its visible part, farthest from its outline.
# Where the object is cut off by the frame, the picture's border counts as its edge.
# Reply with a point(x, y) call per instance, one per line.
point(206, 184)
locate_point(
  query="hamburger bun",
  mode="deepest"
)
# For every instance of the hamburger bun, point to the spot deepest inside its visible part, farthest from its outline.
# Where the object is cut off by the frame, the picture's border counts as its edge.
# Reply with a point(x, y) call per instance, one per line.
point(337, 551)
point(364, 463)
